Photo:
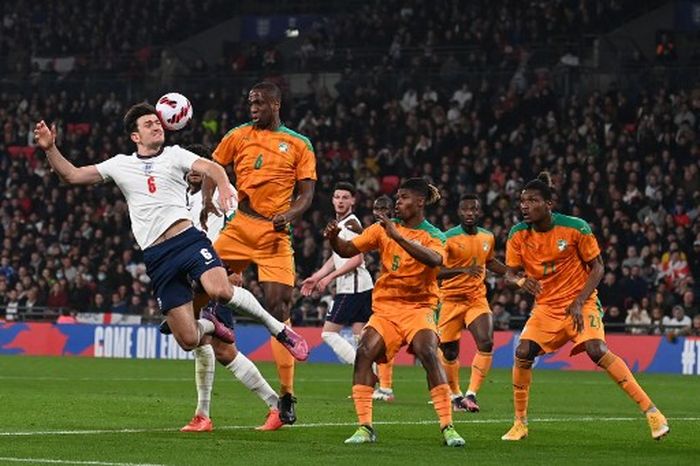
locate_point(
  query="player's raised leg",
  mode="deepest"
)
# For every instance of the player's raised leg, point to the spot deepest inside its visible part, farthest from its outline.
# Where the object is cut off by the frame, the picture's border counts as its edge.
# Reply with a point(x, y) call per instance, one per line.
point(425, 346)
point(216, 284)
point(525, 355)
point(618, 370)
point(370, 349)
point(482, 331)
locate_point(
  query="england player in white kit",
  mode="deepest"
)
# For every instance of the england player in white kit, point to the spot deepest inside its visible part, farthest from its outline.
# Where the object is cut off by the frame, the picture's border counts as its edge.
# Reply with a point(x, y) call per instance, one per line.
point(352, 305)
point(152, 181)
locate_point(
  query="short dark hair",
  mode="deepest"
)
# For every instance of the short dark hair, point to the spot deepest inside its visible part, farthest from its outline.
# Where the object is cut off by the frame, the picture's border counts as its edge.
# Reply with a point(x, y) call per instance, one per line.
point(202, 150)
point(423, 188)
point(270, 89)
point(470, 197)
point(345, 186)
point(543, 184)
point(136, 112)
point(384, 199)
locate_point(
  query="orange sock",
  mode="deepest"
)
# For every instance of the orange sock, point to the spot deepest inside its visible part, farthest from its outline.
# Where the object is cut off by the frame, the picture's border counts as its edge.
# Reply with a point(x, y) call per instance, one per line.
point(620, 373)
point(442, 402)
point(522, 378)
point(452, 371)
point(362, 396)
point(481, 365)
point(285, 365)
point(386, 374)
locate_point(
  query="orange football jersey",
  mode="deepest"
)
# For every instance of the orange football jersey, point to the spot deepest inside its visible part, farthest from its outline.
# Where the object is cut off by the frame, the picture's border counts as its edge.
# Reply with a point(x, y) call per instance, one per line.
point(404, 284)
point(267, 165)
point(465, 250)
point(557, 258)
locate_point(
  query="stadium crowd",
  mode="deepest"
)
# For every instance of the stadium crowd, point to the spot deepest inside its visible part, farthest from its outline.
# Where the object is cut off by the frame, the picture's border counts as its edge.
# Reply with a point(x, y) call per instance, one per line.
point(626, 161)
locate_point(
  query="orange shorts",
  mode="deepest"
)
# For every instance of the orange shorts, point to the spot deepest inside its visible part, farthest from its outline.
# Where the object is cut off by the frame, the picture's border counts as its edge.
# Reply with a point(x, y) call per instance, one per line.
point(397, 332)
point(246, 239)
point(551, 328)
point(455, 316)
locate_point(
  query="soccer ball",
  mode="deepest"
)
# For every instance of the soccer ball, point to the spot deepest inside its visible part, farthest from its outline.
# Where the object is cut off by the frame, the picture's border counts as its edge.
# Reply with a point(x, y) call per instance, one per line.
point(174, 111)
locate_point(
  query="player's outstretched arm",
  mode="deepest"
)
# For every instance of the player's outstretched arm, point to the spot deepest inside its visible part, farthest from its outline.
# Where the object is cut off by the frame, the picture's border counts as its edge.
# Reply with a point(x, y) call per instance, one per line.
point(597, 270)
point(342, 247)
point(515, 276)
point(496, 266)
point(416, 250)
point(446, 273)
point(46, 140)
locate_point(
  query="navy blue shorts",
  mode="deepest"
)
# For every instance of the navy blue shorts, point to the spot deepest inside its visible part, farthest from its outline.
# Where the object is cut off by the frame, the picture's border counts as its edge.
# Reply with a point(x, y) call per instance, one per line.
point(177, 262)
point(350, 308)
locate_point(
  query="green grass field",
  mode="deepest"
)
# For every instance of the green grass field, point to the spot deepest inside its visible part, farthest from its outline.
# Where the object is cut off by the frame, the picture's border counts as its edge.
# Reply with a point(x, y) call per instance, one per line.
point(109, 412)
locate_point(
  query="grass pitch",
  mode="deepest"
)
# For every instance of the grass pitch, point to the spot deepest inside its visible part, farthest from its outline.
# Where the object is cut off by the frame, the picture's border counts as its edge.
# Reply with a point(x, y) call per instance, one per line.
point(124, 412)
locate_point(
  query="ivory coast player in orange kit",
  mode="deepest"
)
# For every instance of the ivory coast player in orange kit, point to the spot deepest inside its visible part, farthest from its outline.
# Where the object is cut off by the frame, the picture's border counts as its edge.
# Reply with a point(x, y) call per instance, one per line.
point(404, 300)
point(270, 162)
point(562, 267)
point(470, 251)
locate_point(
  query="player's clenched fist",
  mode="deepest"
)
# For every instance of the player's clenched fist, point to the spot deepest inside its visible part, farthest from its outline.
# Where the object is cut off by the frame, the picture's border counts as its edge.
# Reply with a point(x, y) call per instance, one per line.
point(332, 230)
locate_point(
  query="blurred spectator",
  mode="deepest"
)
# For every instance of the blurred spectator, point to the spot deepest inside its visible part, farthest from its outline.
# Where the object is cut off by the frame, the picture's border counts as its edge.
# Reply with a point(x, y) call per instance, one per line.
point(677, 319)
point(58, 298)
point(614, 320)
point(501, 318)
point(695, 330)
point(637, 316)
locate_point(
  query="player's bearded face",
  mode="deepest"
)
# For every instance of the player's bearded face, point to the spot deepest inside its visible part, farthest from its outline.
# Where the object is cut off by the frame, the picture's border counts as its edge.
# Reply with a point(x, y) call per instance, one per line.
point(149, 132)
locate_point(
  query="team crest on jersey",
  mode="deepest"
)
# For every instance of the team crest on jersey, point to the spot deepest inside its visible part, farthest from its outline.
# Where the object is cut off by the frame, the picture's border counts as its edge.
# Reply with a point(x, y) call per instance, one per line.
point(283, 147)
point(562, 244)
point(148, 168)
point(485, 246)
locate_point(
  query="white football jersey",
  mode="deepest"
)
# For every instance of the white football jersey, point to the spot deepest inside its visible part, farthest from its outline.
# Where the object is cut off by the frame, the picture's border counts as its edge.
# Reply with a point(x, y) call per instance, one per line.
point(214, 223)
point(358, 280)
point(154, 188)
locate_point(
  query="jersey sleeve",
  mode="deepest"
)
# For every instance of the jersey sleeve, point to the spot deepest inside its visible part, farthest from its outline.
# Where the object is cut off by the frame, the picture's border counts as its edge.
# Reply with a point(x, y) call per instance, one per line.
point(492, 248)
point(369, 239)
point(108, 168)
point(587, 246)
point(306, 164)
point(438, 244)
point(184, 159)
point(225, 151)
point(514, 257)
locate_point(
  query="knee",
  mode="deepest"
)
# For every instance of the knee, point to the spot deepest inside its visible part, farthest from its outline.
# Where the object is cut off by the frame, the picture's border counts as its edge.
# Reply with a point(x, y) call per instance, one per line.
point(221, 293)
point(426, 355)
point(524, 351)
point(188, 341)
point(450, 351)
point(596, 350)
point(485, 345)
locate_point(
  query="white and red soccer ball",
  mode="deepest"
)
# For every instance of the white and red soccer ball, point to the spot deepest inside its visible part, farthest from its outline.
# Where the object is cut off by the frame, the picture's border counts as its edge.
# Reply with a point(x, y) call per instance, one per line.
point(174, 110)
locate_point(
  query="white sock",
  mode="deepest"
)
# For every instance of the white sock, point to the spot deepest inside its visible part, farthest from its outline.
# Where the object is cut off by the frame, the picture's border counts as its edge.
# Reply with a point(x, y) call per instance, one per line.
point(342, 348)
point(245, 301)
point(249, 375)
point(469, 392)
point(204, 362)
point(205, 327)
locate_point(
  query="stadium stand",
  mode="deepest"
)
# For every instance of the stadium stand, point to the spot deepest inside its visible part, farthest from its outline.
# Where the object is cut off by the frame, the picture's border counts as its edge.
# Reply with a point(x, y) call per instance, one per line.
point(477, 109)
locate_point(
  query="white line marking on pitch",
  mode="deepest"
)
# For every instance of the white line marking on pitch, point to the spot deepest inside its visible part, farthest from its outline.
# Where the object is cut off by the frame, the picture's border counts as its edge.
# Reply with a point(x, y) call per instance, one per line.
point(337, 424)
point(52, 461)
